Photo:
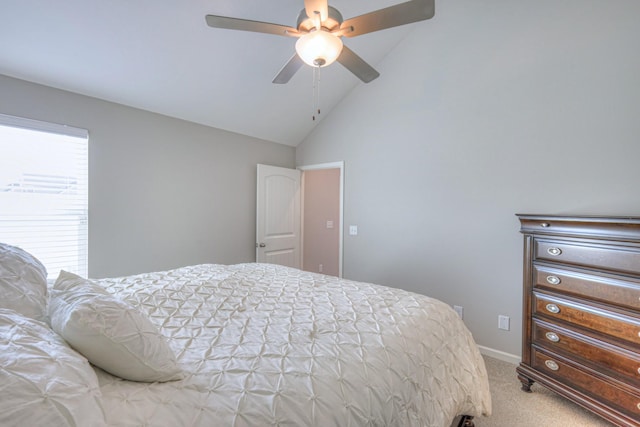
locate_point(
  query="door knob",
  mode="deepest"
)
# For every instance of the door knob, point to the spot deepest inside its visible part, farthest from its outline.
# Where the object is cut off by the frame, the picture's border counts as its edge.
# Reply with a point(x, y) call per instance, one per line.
point(260, 245)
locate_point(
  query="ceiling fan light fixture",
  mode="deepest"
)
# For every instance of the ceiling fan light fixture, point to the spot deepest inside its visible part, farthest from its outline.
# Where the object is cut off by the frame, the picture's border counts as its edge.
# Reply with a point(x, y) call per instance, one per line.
point(319, 48)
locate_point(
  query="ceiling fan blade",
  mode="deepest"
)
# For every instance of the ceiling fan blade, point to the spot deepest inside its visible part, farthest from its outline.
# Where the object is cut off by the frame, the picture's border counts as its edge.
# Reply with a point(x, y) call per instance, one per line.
point(225, 22)
point(392, 16)
point(357, 66)
point(320, 6)
point(289, 69)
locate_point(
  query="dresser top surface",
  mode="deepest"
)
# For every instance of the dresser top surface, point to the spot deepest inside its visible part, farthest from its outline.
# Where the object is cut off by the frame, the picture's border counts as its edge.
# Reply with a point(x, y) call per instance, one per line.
point(581, 218)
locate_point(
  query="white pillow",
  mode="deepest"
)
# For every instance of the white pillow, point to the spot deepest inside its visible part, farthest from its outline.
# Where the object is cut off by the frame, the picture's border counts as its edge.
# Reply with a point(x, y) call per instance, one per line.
point(23, 282)
point(43, 382)
point(109, 332)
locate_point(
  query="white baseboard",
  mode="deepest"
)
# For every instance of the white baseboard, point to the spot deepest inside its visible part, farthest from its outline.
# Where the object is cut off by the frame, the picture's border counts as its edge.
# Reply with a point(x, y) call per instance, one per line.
point(500, 355)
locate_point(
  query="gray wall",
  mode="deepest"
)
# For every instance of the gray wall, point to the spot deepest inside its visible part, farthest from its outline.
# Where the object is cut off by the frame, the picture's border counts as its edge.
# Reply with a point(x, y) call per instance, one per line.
point(163, 192)
point(489, 109)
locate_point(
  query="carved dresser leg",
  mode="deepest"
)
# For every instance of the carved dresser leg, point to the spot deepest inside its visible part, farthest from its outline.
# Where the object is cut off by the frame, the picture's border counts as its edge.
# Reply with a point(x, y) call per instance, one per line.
point(526, 383)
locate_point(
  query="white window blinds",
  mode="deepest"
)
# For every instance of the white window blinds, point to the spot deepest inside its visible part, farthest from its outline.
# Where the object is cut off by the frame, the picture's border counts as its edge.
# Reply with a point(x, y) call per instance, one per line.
point(44, 192)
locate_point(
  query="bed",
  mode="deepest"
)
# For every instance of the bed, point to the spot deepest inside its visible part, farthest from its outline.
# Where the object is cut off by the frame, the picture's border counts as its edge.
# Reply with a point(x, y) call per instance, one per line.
point(237, 345)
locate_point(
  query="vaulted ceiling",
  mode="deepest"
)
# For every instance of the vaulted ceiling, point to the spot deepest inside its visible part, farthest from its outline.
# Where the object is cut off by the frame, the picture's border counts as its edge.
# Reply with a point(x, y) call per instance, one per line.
point(161, 56)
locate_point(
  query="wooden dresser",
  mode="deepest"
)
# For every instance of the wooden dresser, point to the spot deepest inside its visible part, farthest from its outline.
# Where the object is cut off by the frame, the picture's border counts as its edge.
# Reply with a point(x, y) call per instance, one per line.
point(581, 328)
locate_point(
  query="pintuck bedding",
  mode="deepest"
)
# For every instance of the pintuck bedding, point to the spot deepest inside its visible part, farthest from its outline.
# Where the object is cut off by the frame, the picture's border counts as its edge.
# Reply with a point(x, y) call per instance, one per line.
point(270, 345)
point(254, 345)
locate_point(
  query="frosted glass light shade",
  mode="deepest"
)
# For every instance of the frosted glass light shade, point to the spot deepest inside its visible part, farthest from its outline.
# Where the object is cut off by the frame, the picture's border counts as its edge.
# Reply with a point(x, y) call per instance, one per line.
point(319, 48)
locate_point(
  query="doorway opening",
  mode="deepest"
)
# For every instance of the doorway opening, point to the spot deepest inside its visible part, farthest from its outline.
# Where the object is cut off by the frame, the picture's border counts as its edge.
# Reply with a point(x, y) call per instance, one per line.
point(299, 217)
point(322, 218)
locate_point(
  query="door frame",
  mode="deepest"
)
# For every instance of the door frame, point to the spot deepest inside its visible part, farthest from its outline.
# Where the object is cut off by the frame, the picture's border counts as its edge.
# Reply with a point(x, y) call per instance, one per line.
point(330, 165)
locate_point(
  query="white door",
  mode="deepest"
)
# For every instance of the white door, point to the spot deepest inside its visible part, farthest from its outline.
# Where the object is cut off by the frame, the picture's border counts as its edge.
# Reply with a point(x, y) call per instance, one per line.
point(278, 216)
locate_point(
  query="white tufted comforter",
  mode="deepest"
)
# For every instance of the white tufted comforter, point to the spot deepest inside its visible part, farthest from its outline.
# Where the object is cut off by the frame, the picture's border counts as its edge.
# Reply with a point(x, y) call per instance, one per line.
point(269, 345)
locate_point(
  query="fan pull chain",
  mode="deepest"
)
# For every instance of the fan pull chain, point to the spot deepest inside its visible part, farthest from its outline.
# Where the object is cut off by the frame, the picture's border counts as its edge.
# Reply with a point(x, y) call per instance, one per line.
point(316, 92)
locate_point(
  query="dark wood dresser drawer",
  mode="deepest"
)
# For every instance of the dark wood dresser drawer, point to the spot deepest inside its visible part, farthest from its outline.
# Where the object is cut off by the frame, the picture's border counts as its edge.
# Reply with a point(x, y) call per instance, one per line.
point(617, 396)
point(621, 228)
point(619, 291)
point(616, 325)
point(612, 258)
point(581, 311)
point(615, 360)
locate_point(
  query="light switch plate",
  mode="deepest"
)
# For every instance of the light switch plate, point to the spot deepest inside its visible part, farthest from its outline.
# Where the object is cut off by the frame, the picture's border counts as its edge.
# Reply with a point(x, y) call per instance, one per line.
point(503, 322)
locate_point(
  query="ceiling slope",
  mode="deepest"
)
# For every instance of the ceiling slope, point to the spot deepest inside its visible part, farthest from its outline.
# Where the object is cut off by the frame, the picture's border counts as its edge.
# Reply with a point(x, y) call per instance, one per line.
point(162, 57)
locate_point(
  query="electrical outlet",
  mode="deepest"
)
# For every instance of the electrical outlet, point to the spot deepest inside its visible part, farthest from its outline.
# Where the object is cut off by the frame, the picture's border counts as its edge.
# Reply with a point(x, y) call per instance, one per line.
point(458, 309)
point(320, 268)
point(503, 322)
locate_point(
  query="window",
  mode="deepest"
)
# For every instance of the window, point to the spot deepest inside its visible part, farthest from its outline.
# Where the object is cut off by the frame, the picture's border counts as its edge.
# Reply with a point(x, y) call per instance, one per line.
point(44, 192)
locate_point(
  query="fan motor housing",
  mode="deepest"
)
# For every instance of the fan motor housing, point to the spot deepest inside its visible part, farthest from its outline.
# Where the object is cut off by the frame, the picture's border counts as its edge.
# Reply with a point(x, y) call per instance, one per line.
point(333, 21)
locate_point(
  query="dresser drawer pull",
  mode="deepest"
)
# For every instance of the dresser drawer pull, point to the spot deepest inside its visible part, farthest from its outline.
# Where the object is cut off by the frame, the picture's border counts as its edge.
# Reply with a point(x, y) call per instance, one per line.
point(638, 371)
point(544, 225)
point(552, 308)
point(551, 365)
point(553, 337)
point(554, 280)
point(554, 251)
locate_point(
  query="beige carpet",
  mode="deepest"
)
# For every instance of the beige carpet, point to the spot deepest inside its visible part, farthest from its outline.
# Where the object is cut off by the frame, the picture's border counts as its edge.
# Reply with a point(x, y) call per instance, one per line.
point(541, 408)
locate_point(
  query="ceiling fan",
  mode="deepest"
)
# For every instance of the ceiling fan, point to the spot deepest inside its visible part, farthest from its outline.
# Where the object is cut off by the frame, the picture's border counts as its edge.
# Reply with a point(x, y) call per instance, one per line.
point(319, 31)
